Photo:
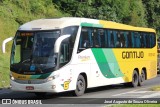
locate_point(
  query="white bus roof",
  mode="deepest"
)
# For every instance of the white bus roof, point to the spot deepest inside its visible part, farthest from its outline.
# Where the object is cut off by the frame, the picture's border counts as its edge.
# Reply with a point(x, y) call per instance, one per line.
point(58, 23)
point(55, 23)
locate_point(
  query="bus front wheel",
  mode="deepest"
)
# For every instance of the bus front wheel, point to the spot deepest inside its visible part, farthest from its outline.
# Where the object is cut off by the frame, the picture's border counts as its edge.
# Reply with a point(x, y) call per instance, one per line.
point(80, 86)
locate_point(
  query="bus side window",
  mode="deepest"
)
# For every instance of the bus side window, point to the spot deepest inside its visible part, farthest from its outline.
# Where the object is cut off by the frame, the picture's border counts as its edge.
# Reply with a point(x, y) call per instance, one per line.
point(126, 34)
point(111, 39)
point(144, 38)
point(129, 40)
point(133, 39)
point(96, 38)
point(64, 53)
point(105, 38)
point(118, 41)
point(148, 40)
point(137, 40)
point(84, 39)
point(136, 37)
point(122, 39)
point(114, 38)
point(102, 38)
point(17, 51)
point(153, 41)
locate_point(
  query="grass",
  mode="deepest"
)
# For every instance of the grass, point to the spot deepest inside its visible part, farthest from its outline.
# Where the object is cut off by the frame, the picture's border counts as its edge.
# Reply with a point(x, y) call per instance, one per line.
point(4, 70)
point(155, 88)
point(136, 105)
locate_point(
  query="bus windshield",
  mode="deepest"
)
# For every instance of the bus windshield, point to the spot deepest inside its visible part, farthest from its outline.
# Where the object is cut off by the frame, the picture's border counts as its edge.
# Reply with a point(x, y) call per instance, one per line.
point(34, 51)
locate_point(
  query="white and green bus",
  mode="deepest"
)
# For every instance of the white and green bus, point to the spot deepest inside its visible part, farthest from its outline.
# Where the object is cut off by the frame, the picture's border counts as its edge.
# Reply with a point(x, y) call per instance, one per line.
point(73, 54)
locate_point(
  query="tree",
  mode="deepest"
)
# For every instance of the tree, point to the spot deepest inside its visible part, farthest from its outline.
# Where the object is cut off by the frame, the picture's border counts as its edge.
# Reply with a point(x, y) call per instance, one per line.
point(153, 13)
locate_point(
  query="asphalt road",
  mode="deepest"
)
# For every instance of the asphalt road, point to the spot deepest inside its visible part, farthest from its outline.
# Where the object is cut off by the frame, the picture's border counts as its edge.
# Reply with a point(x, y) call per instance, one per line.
point(92, 96)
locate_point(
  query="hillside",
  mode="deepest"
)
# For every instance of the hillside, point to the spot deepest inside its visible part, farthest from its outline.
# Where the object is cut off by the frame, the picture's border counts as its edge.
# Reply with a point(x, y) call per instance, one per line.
point(14, 13)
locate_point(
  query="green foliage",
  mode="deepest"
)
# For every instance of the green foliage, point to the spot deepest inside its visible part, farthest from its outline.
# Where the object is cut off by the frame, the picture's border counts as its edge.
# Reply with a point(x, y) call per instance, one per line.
point(143, 13)
point(153, 13)
point(137, 14)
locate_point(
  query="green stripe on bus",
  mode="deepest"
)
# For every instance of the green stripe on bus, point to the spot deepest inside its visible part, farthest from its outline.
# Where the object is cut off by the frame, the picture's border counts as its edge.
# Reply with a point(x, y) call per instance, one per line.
point(35, 76)
point(91, 25)
point(111, 58)
point(107, 63)
point(44, 76)
point(102, 63)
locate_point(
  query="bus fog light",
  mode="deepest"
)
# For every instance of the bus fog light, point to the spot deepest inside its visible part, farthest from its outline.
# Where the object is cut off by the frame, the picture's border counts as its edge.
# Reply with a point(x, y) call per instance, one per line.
point(53, 86)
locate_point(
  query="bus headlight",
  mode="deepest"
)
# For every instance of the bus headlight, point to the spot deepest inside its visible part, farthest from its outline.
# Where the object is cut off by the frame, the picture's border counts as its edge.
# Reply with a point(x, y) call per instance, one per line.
point(52, 77)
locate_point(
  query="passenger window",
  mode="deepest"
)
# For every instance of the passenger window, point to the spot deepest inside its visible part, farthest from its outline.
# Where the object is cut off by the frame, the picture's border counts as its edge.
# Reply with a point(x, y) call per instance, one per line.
point(64, 53)
point(102, 38)
point(148, 40)
point(153, 41)
point(86, 39)
point(96, 38)
point(126, 34)
point(137, 40)
point(122, 39)
point(111, 39)
point(118, 41)
point(143, 40)
point(130, 43)
point(133, 40)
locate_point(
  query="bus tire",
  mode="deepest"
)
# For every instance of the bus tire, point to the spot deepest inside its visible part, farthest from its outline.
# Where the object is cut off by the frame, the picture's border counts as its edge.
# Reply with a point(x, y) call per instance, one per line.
point(40, 94)
point(135, 79)
point(142, 78)
point(80, 86)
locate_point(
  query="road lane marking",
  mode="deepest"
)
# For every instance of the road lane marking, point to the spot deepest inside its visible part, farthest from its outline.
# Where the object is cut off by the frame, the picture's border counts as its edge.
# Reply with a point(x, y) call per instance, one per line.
point(133, 91)
point(123, 93)
point(151, 95)
point(5, 93)
point(140, 92)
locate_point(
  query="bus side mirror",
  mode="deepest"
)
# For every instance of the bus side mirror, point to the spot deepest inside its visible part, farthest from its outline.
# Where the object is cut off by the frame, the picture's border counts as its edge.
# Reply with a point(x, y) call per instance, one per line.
point(4, 44)
point(58, 43)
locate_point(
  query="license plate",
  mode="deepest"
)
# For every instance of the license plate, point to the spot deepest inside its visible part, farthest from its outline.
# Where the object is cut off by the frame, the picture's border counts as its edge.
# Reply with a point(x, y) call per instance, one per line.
point(29, 88)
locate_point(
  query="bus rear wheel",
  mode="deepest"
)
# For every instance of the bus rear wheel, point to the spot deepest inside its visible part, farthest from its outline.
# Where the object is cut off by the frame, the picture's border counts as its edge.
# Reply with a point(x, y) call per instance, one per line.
point(142, 78)
point(135, 79)
point(80, 86)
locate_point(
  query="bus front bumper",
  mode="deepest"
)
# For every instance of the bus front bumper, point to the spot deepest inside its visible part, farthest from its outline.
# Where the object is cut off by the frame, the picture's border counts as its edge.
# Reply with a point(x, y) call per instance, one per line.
point(50, 86)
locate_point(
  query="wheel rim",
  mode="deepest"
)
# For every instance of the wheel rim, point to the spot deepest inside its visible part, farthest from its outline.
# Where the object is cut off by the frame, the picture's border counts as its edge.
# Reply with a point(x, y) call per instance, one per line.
point(80, 85)
point(143, 76)
point(135, 79)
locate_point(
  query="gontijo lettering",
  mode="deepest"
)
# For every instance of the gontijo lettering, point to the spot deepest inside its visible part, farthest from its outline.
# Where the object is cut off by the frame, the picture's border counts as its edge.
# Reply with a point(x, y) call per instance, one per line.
point(132, 54)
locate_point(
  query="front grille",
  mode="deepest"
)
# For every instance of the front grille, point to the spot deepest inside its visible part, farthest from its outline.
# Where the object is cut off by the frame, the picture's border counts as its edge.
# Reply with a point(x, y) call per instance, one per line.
point(36, 81)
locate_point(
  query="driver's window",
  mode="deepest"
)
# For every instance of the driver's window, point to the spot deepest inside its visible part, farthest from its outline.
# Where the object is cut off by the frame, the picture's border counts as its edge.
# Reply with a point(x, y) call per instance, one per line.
point(64, 53)
point(16, 51)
